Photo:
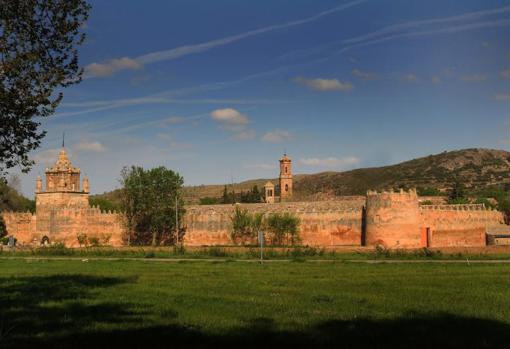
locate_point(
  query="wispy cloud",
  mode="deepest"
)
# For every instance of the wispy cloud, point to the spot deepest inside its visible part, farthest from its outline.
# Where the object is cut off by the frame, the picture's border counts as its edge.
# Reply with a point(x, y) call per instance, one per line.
point(47, 157)
point(95, 147)
point(474, 77)
point(277, 136)
point(324, 84)
point(502, 96)
point(261, 166)
point(410, 78)
point(112, 66)
point(505, 74)
point(330, 161)
point(364, 75)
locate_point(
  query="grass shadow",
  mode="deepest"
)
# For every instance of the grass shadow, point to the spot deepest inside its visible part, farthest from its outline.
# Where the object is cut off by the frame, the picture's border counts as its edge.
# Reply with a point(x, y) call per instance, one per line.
point(60, 312)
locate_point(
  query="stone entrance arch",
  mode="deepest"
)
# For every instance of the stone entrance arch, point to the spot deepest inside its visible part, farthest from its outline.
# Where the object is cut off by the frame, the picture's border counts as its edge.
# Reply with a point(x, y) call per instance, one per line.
point(45, 240)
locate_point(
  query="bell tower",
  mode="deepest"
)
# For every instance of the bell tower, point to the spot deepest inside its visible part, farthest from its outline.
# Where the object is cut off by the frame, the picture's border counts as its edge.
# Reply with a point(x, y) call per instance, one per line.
point(285, 178)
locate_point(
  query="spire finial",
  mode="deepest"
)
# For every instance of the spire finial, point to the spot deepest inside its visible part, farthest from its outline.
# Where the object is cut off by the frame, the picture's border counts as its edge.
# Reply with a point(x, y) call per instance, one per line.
point(63, 139)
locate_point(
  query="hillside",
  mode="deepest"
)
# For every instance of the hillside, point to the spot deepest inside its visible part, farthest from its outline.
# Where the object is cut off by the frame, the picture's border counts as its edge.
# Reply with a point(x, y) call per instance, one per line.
point(476, 168)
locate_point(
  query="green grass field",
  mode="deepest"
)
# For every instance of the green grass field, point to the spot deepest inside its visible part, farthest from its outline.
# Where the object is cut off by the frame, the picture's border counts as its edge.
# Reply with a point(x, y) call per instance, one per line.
point(147, 304)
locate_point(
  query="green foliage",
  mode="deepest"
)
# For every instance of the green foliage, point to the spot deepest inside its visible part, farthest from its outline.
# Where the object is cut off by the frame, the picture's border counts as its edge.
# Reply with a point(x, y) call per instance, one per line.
point(426, 202)
point(39, 57)
point(251, 196)
point(282, 228)
point(428, 191)
point(12, 200)
point(148, 203)
point(94, 241)
point(209, 201)
point(485, 202)
point(82, 239)
point(243, 226)
point(4, 240)
point(458, 201)
point(457, 194)
point(104, 204)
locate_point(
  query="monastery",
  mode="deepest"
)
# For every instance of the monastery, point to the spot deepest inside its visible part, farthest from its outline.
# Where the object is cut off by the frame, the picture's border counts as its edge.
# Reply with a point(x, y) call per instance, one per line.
point(391, 218)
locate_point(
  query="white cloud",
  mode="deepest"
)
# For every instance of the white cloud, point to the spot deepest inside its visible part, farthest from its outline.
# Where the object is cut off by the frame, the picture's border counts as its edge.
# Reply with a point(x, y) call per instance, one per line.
point(364, 75)
point(112, 66)
point(234, 122)
point(474, 77)
point(505, 74)
point(277, 136)
point(47, 157)
point(324, 84)
point(330, 161)
point(502, 96)
point(229, 116)
point(95, 147)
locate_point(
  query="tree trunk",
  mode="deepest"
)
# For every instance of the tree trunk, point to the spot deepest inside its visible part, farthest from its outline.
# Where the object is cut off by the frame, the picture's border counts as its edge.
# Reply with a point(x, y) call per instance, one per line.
point(154, 236)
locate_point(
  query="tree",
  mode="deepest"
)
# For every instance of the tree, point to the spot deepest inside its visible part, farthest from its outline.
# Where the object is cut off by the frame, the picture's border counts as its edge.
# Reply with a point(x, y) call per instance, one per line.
point(38, 55)
point(457, 194)
point(148, 204)
point(242, 229)
point(283, 228)
point(226, 199)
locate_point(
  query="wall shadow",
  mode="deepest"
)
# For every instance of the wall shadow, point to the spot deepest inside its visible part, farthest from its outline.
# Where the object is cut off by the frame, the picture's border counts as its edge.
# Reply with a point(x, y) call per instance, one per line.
point(24, 311)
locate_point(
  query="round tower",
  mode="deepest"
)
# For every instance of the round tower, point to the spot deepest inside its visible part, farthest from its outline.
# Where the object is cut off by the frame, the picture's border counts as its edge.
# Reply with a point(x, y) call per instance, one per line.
point(285, 178)
point(393, 219)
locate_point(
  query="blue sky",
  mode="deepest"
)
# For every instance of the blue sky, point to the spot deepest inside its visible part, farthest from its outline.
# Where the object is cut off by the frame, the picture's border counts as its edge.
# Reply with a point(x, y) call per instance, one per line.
point(218, 89)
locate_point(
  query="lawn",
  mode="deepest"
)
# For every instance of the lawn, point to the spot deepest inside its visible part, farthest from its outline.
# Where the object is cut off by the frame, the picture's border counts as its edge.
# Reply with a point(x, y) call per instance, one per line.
point(151, 304)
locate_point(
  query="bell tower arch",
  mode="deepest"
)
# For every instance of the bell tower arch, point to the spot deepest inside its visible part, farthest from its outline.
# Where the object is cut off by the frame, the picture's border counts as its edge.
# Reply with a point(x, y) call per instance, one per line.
point(286, 184)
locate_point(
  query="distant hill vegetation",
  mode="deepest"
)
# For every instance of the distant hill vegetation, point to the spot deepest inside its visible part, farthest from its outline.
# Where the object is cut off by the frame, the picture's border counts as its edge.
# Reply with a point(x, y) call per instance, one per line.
point(475, 168)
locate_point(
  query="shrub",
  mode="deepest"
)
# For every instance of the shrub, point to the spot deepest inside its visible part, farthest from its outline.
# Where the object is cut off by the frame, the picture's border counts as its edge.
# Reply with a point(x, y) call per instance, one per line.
point(106, 238)
point(209, 201)
point(242, 226)
point(283, 228)
point(58, 249)
point(82, 239)
point(94, 241)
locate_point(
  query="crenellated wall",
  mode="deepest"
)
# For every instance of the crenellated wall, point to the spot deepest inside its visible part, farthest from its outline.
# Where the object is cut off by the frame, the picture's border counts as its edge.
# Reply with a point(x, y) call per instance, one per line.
point(457, 225)
point(64, 224)
point(321, 223)
point(392, 219)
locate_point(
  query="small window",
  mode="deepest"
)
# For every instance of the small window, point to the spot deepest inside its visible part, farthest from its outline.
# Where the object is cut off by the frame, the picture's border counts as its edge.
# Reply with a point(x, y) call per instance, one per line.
point(286, 169)
point(286, 187)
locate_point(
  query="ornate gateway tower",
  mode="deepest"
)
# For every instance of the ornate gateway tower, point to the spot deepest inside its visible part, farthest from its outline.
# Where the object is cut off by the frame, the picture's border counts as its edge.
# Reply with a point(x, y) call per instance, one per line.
point(63, 214)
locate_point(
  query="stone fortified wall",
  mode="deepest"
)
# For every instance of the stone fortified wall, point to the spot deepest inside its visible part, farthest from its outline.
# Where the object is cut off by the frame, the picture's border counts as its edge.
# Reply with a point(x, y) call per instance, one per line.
point(458, 225)
point(396, 220)
point(64, 224)
point(393, 219)
point(331, 223)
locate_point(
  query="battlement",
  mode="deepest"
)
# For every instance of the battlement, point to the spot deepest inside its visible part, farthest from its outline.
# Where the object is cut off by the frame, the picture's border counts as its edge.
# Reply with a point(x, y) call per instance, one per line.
point(393, 193)
point(459, 207)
